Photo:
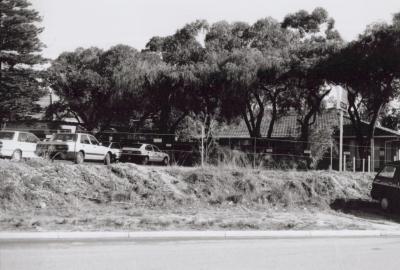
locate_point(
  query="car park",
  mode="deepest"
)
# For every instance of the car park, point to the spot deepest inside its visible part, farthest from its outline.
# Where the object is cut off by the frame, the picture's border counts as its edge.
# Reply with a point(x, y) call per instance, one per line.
point(77, 147)
point(143, 153)
point(17, 144)
point(386, 186)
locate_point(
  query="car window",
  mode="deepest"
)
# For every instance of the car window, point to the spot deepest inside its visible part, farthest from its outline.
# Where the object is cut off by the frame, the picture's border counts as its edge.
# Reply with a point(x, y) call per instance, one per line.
point(32, 138)
point(60, 137)
point(23, 137)
point(6, 135)
point(156, 148)
point(94, 140)
point(85, 139)
point(149, 148)
point(388, 172)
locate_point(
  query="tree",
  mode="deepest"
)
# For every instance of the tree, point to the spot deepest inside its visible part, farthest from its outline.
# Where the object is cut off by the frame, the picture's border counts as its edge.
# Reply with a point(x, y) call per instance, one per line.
point(100, 87)
point(254, 67)
point(369, 69)
point(317, 40)
point(21, 81)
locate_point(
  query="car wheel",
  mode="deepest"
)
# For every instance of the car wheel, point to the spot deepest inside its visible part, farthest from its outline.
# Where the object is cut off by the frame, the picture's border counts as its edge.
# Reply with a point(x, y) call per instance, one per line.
point(17, 155)
point(107, 159)
point(385, 204)
point(79, 158)
point(165, 161)
point(145, 160)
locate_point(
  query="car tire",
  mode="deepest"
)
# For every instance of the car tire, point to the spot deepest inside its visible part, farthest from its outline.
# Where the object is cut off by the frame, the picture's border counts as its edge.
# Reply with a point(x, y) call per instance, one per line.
point(16, 155)
point(145, 161)
point(385, 204)
point(107, 159)
point(165, 161)
point(79, 158)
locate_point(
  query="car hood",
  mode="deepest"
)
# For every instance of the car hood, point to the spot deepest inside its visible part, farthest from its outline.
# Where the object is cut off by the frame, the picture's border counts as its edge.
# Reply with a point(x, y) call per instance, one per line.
point(130, 149)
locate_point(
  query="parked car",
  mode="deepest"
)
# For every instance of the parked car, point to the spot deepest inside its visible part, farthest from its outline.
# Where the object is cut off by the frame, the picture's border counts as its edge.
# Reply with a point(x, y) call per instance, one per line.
point(17, 144)
point(115, 149)
point(77, 147)
point(386, 186)
point(144, 153)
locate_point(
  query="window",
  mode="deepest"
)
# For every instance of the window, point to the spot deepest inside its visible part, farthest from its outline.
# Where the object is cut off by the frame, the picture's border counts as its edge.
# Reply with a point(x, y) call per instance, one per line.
point(388, 172)
point(149, 148)
point(23, 137)
point(6, 135)
point(134, 145)
point(156, 148)
point(85, 139)
point(94, 140)
point(60, 137)
point(32, 138)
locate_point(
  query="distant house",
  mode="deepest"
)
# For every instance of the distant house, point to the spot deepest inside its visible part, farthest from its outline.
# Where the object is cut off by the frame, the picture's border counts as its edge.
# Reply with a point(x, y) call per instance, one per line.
point(386, 142)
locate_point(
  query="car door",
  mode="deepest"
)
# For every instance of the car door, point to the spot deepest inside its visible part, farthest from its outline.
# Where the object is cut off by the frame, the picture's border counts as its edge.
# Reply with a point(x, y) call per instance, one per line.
point(31, 142)
point(98, 150)
point(157, 153)
point(22, 144)
point(86, 146)
point(150, 153)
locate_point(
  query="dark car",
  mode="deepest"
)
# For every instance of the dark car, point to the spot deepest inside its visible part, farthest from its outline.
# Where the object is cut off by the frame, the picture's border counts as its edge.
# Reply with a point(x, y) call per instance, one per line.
point(386, 186)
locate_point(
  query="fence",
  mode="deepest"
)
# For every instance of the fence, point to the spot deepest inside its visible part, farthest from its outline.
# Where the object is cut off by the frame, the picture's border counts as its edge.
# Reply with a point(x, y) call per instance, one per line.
point(257, 152)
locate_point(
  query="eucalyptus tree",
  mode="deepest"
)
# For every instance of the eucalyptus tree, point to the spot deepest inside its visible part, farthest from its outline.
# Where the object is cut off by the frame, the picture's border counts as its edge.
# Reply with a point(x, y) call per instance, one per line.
point(317, 39)
point(369, 69)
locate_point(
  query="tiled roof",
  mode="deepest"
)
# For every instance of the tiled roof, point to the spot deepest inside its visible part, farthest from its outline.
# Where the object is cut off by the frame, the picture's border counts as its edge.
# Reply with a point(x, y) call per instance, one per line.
point(288, 126)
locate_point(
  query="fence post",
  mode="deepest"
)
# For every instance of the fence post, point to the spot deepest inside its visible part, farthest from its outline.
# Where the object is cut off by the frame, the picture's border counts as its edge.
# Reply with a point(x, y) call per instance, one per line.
point(344, 163)
point(369, 163)
point(202, 145)
point(354, 164)
point(254, 152)
point(363, 165)
point(331, 156)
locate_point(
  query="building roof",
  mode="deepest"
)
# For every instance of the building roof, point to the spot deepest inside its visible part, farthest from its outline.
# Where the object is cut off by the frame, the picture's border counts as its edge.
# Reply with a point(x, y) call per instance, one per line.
point(288, 126)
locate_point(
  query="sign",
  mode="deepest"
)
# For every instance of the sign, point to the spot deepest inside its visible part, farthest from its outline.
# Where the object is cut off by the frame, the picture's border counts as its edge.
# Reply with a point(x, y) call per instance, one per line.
point(269, 150)
point(168, 145)
point(307, 152)
point(157, 140)
point(346, 153)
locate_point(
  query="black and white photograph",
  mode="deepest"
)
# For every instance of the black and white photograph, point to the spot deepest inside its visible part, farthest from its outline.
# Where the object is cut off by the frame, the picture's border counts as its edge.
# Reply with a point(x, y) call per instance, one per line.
point(199, 134)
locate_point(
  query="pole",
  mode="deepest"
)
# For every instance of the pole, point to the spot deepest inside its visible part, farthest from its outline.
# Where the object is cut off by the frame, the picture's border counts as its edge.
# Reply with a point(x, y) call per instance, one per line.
point(363, 165)
point(354, 164)
point(202, 145)
point(331, 155)
point(344, 163)
point(369, 163)
point(341, 141)
point(254, 152)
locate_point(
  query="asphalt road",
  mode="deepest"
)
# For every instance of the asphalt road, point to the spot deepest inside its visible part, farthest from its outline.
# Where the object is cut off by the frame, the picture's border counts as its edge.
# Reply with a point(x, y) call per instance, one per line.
point(323, 253)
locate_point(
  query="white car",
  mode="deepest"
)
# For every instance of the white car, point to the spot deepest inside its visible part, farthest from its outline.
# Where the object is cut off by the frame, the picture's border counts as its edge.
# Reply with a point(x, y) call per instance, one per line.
point(77, 147)
point(115, 148)
point(17, 144)
point(144, 153)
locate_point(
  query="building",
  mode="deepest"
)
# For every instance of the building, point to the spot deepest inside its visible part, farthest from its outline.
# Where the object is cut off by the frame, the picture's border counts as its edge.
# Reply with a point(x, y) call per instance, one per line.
point(384, 147)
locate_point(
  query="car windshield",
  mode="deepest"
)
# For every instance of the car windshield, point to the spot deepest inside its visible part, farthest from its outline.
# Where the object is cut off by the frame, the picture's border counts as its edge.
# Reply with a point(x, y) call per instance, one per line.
point(134, 145)
point(106, 144)
point(6, 135)
point(388, 171)
point(64, 138)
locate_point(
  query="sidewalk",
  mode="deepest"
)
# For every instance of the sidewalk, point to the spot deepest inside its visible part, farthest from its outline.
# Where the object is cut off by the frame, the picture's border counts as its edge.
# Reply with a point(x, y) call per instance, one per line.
point(188, 235)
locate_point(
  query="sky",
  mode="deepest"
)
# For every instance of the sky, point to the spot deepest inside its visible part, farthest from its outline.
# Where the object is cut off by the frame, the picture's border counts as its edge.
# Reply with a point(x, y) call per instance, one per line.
point(69, 24)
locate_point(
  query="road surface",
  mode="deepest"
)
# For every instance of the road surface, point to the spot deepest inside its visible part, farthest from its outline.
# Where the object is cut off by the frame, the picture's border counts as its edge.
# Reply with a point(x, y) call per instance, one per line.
point(323, 253)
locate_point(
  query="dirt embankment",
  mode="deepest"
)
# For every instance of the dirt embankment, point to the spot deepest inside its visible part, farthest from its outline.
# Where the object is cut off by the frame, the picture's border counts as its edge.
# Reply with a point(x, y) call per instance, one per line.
point(36, 195)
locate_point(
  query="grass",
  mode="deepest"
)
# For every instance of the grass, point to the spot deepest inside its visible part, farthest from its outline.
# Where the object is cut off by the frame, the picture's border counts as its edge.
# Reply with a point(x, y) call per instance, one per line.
point(37, 195)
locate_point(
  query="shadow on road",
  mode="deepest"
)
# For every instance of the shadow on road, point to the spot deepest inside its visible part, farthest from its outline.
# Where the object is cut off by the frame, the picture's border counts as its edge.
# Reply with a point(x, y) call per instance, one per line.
point(365, 209)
